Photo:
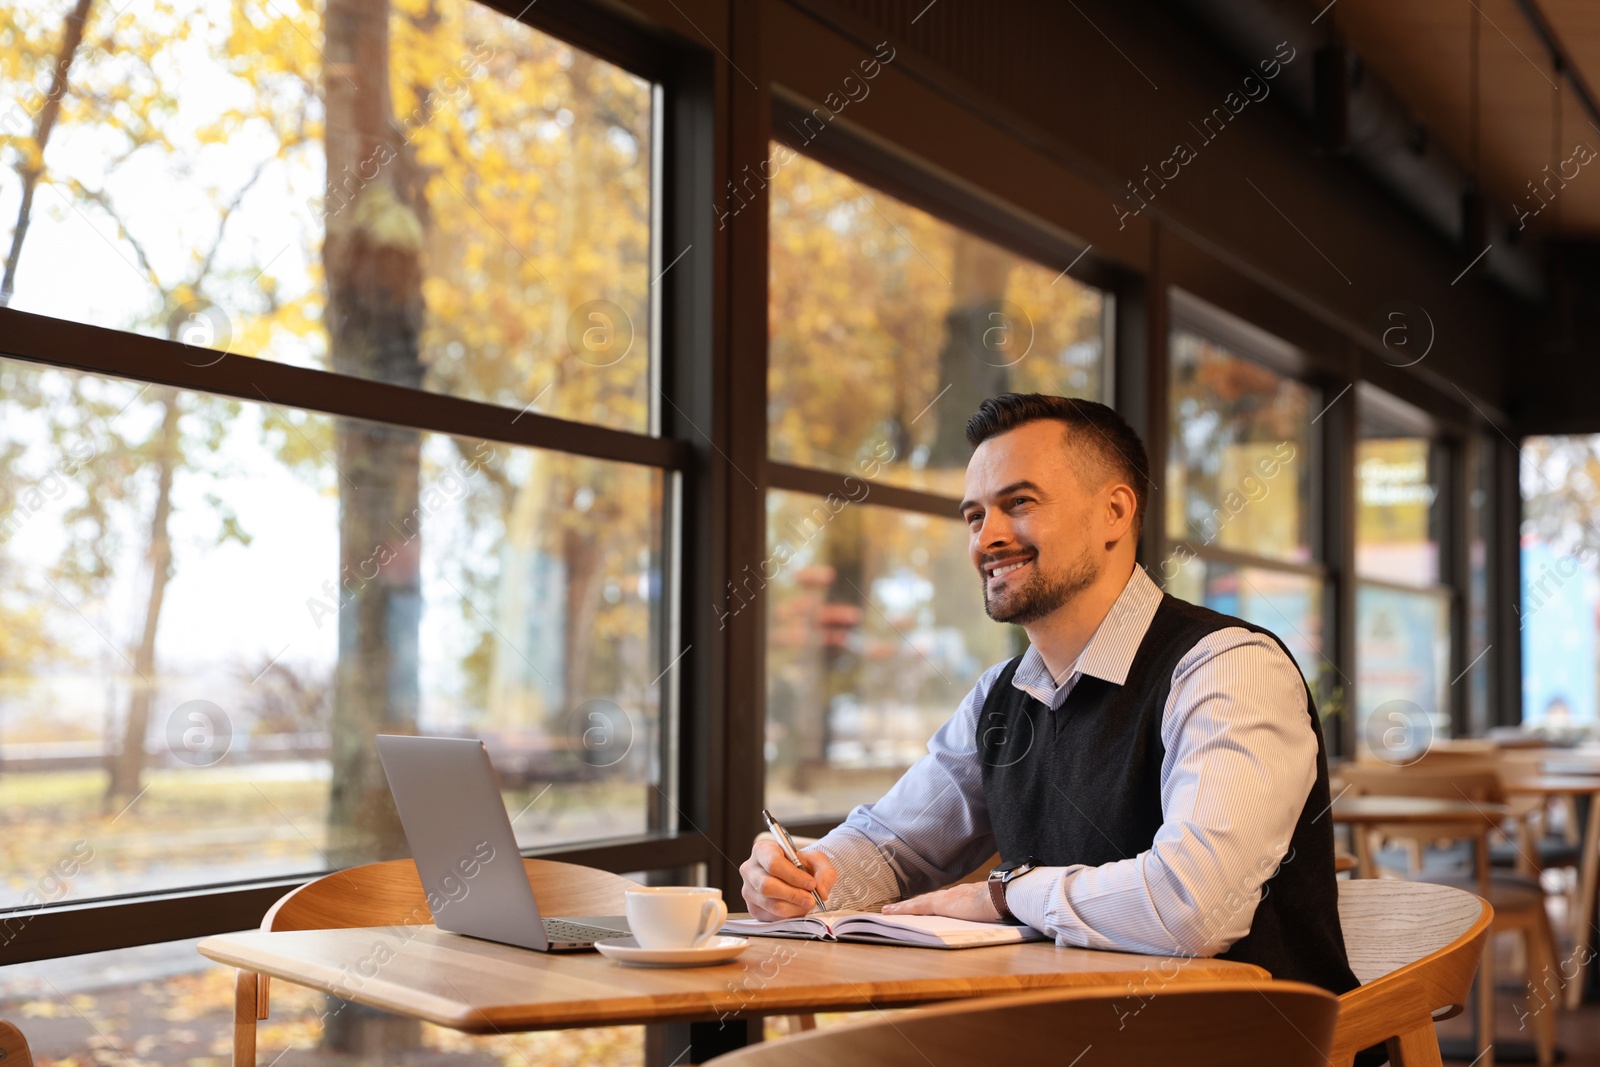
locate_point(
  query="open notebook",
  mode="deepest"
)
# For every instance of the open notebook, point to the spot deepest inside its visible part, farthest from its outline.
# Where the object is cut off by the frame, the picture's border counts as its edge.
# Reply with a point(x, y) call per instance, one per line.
point(927, 931)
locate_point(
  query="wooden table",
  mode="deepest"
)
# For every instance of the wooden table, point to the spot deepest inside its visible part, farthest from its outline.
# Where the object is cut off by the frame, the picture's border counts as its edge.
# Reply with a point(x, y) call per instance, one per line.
point(1365, 812)
point(1572, 785)
point(483, 987)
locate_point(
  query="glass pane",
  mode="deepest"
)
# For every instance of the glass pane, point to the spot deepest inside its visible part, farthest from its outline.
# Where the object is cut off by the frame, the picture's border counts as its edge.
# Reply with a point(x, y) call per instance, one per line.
point(875, 631)
point(440, 197)
point(1402, 669)
point(1560, 582)
point(165, 1005)
point(205, 620)
point(1397, 510)
point(1240, 473)
point(889, 326)
point(1288, 604)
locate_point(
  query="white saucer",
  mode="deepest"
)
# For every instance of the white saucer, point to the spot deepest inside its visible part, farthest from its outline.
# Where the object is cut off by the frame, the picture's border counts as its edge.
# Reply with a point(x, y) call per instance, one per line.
point(718, 949)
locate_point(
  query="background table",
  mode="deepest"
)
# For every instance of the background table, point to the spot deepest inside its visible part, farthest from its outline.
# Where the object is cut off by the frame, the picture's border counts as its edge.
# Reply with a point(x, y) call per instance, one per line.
point(1476, 818)
point(483, 987)
point(1572, 785)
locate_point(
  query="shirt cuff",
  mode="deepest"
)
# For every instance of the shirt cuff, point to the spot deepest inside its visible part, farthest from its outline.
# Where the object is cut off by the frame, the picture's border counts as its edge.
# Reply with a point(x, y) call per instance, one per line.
point(866, 880)
point(1030, 896)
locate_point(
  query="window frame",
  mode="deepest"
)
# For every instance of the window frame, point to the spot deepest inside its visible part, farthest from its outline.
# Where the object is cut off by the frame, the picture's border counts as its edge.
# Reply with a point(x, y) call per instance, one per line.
point(683, 88)
point(1243, 340)
point(1447, 458)
point(883, 170)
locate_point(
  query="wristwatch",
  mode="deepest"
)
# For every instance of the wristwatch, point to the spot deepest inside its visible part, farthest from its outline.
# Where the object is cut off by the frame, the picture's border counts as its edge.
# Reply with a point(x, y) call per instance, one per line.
point(999, 878)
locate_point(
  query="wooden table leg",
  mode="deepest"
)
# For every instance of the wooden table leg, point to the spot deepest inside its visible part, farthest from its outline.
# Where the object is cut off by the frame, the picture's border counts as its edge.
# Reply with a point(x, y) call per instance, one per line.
point(244, 1019)
point(1363, 844)
point(1588, 867)
point(677, 1044)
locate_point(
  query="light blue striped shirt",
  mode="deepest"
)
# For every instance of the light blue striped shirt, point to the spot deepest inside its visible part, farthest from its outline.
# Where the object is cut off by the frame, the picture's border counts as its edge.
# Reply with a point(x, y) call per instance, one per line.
point(1239, 764)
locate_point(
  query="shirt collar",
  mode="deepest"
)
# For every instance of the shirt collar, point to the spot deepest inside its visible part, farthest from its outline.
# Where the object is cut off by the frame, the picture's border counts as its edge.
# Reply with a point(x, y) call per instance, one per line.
point(1109, 653)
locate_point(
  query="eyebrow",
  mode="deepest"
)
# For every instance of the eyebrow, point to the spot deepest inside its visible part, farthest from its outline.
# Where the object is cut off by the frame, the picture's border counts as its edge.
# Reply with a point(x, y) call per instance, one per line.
point(1002, 491)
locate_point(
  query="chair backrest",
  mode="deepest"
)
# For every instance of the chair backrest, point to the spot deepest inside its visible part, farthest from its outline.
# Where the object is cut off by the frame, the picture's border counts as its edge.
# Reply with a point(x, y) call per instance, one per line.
point(1414, 946)
point(14, 1047)
point(390, 894)
point(1287, 1024)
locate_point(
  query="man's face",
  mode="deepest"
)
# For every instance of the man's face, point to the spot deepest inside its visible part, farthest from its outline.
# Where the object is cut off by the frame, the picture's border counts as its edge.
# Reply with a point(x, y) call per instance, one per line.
point(1029, 519)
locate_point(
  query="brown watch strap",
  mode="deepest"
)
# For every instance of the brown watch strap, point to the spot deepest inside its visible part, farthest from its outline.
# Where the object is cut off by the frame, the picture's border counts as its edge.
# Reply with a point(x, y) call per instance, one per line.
point(997, 895)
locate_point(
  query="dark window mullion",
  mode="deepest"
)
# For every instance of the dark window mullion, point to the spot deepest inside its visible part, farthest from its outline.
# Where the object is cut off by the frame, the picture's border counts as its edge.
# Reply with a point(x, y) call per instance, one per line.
point(96, 350)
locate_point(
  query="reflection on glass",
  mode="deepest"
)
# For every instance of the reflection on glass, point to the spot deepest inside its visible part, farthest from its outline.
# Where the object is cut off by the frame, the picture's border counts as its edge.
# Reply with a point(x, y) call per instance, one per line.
point(205, 618)
point(1288, 604)
point(875, 631)
point(1240, 469)
point(1402, 662)
point(890, 326)
point(1396, 511)
point(464, 206)
point(1560, 483)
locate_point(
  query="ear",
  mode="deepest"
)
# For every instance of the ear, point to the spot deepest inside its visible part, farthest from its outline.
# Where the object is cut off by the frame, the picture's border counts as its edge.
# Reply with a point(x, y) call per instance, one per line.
point(1120, 506)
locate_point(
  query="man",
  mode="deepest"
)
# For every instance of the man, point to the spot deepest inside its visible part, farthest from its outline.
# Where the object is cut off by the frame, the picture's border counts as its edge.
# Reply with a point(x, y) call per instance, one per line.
point(1152, 773)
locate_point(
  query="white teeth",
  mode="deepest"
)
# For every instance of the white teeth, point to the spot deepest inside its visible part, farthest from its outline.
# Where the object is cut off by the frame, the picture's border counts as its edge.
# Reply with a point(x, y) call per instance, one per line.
point(1006, 569)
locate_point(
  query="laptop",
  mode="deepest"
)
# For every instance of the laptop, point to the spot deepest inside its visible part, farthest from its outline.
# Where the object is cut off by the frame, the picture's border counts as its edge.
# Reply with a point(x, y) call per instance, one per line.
point(466, 853)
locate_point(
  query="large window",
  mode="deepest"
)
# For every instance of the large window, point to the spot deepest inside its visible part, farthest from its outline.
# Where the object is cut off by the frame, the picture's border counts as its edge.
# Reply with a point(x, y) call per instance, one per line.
point(1242, 483)
point(888, 326)
point(1404, 599)
point(213, 594)
point(436, 196)
point(1560, 583)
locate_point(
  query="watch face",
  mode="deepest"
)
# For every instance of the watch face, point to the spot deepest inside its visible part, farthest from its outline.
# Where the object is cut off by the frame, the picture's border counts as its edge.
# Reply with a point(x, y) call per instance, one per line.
point(1011, 870)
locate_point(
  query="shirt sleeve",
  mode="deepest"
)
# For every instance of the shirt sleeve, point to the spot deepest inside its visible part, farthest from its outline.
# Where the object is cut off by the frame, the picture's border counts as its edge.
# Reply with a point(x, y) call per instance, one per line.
point(930, 829)
point(1240, 762)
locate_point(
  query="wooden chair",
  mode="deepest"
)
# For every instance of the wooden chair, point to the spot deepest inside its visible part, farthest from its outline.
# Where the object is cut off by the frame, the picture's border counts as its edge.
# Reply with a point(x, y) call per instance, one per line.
point(14, 1047)
point(390, 894)
point(1286, 1024)
point(1414, 946)
point(1517, 900)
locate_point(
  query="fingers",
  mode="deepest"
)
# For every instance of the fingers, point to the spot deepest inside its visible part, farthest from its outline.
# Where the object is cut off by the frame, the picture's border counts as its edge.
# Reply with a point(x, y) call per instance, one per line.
point(822, 870)
point(775, 863)
point(773, 888)
point(923, 905)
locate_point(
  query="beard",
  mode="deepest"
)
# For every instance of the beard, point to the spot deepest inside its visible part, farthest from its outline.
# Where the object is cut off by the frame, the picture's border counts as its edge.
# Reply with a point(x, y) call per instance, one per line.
point(1041, 594)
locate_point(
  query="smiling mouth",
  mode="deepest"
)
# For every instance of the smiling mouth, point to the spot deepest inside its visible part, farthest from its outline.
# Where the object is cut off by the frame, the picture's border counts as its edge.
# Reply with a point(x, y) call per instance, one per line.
point(999, 573)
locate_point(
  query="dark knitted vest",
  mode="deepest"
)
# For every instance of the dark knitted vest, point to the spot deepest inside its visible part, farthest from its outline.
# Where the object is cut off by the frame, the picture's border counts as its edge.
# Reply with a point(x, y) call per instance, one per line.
point(1083, 785)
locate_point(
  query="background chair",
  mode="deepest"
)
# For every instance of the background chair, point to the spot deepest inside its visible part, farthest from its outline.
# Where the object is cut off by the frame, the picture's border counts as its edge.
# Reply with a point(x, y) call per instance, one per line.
point(14, 1047)
point(1286, 1024)
point(1517, 900)
point(390, 894)
point(1414, 946)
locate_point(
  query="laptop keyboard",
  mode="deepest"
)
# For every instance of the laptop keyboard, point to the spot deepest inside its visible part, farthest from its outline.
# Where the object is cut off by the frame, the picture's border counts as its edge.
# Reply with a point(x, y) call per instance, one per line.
point(560, 930)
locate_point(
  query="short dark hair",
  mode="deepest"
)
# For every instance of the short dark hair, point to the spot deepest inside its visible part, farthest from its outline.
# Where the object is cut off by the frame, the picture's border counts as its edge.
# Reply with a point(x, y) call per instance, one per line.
point(1098, 428)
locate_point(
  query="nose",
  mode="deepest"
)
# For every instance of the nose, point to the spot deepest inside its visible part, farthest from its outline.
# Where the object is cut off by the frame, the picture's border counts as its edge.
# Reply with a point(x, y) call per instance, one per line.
point(993, 533)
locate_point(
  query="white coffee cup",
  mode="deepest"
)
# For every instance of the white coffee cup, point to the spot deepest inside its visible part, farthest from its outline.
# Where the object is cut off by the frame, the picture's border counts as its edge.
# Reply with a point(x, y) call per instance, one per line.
point(675, 916)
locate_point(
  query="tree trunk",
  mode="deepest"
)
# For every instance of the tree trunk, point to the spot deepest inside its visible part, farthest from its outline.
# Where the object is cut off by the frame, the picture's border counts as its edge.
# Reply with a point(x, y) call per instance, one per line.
point(973, 372)
point(127, 766)
point(31, 170)
point(376, 229)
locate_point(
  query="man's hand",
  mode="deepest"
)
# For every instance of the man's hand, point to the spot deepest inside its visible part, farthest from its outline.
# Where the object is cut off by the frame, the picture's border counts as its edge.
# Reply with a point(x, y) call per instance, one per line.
point(775, 889)
point(968, 901)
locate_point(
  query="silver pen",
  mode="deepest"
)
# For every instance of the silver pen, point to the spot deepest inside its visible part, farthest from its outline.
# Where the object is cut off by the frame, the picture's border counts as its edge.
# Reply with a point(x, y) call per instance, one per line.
point(787, 844)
